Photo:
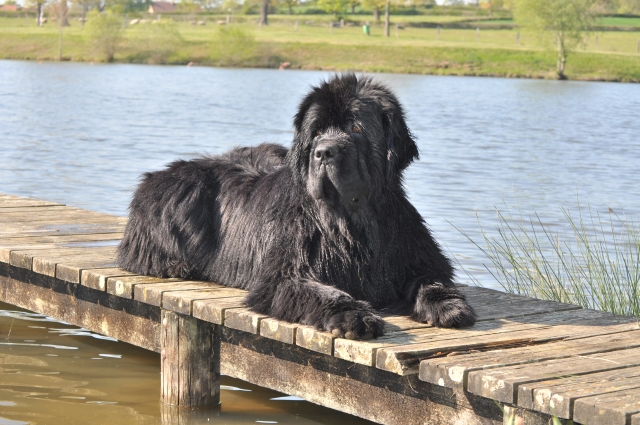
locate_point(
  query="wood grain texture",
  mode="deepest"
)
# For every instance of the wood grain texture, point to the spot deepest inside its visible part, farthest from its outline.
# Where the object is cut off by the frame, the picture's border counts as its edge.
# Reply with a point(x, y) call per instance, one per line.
point(97, 311)
point(616, 408)
point(182, 301)
point(213, 311)
point(190, 362)
point(452, 371)
point(151, 293)
point(97, 278)
point(529, 330)
point(502, 383)
point(243, 319)
point(557, 396)
point(122, 286)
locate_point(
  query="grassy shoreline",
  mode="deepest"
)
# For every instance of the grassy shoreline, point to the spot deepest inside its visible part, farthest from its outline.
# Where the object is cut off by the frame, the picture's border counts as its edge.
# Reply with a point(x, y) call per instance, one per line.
point(415, 51)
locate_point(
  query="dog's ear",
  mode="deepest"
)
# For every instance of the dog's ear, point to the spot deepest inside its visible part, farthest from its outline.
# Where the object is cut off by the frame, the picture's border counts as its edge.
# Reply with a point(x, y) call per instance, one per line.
point(401, 146)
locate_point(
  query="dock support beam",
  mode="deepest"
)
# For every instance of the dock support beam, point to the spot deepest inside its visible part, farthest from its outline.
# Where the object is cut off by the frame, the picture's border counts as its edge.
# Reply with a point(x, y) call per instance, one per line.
point(190, 362)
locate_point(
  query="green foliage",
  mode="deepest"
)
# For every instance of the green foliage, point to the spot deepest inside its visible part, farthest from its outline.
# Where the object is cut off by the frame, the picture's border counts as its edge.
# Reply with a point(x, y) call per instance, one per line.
point(337, 7)
point(161, 39)
point(564, 22)
point(233, 46)
point(595, 264)
point(105, 32)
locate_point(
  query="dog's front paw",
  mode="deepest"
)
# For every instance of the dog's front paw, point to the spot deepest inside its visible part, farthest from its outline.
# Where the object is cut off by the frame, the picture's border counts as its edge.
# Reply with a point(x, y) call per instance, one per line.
point(355, 324)
point(443, 306)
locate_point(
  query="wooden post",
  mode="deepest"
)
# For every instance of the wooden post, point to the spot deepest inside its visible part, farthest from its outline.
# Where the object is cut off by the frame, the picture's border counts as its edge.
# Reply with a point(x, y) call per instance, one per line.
point(477, 34)
point(396, 30)
point(295, 27)
point(638, 47)
point(190, 362)
point(518, 38)
point(438, 33)
point(596, 43)
point(330, 27)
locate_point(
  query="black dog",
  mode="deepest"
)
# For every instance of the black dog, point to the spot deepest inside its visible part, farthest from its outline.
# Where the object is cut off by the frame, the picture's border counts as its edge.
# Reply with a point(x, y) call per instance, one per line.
point(319, 234)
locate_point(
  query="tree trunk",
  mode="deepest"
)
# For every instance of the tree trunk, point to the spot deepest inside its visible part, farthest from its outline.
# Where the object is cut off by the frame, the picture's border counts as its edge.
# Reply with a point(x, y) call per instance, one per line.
point(353, 8)
point(290, 10)
point(376, 14)
point(264, 19)
point(39, 17)
point(63, 13)
point(386, 19)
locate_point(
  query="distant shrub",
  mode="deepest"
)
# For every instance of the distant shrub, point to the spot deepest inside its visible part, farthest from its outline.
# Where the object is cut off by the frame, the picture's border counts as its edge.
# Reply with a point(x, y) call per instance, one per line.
point(234, 46)
point(160, 39)
point(105, 32)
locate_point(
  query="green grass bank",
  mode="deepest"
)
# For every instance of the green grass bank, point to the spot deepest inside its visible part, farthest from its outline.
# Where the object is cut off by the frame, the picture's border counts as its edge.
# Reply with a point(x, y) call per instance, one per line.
point(311, 44)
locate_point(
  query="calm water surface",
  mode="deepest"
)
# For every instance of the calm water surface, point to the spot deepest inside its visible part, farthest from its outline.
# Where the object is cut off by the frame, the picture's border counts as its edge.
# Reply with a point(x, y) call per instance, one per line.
point(82, 134)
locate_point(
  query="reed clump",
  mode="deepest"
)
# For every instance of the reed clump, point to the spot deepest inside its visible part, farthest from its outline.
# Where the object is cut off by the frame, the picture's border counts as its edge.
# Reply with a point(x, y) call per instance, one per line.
point(594, 262)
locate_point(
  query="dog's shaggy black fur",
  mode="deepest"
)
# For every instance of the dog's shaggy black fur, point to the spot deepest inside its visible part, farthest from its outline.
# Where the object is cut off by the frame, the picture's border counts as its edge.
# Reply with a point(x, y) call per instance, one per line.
point(319, 234)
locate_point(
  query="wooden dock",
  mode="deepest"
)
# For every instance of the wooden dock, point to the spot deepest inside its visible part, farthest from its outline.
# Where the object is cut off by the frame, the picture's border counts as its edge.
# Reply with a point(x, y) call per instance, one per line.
point(535, 358)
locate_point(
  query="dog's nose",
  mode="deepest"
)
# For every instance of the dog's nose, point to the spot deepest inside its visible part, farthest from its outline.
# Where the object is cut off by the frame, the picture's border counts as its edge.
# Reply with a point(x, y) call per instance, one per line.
point(326, 151)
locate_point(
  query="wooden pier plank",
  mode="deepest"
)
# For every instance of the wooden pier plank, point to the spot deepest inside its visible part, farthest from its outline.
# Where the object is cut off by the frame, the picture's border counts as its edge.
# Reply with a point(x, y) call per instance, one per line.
point(616, 408)
point(502, 383)
point(17, 202)
point(97, 278)
point(405, 359)
point(213, 311)
point(557, 396)
point(151, 293)
point(45, 262)
point(243, 319)
point(452, 371)
point(57, 229)
point(182, 301)
point(122, 286)
point(278, 330)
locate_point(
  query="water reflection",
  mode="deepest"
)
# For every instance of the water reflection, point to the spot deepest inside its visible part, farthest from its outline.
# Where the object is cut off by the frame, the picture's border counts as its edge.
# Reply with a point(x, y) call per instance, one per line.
point(56, 373)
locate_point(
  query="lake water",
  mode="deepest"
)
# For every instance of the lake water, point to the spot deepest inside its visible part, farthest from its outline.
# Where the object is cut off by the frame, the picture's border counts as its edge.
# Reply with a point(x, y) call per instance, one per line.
point(82, 134)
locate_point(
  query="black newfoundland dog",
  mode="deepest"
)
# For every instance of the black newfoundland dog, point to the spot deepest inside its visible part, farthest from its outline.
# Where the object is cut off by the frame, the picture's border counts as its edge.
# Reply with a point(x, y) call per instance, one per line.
point(319, 234)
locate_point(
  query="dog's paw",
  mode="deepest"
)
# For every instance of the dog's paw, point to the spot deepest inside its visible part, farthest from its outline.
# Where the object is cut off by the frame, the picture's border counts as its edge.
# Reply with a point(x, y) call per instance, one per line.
point(443, 306)
point(355, 324)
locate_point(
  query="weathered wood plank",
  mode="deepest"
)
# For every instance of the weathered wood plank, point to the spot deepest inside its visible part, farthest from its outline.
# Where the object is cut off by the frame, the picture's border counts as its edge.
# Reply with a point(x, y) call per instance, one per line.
point(122, 286)
point(93, 310)
point(502, 383)
point(278, 330)
point(557, 396)
point(331, 382)
point(213, 311)
point(243, 319)
point(189, 363)
point(97, 278)
point(608, 409)
point(635, 419)
point(452, 371)
point(488, 303)
point(312, 339)
point(533, 330)
point(169, 358)
point(182, 301)
point(45, 262)
point(151, 293)
point(32, 244)
point(57, 229)
point(66, 214)
point(13, 210)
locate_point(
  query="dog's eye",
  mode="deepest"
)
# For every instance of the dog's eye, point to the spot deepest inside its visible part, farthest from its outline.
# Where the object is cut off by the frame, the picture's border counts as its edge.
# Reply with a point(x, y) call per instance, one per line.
point(318, 133)
point(355, 129)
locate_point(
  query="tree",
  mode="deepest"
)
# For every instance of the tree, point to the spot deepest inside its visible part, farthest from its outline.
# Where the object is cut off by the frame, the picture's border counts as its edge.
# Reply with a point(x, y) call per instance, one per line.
point(353, 4)
point(376, 5)
point(290, 4)
point(39, 5)
point(566, 21)
point(337, 7)
point(264, 13)
point(105, 32)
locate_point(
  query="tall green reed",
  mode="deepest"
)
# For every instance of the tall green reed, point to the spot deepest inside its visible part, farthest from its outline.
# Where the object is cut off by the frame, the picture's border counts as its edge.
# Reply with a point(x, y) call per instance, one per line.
point(593, 262)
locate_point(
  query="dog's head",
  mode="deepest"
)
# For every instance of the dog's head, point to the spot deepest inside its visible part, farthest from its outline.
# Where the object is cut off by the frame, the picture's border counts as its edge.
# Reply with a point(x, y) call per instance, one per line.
point(351, 140)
